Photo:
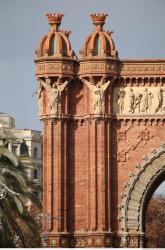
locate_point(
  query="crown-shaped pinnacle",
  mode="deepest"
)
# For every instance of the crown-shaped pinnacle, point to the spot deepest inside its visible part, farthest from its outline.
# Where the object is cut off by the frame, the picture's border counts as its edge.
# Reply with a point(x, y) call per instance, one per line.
point(55, 19)
point(66, 32)
point(98, 20)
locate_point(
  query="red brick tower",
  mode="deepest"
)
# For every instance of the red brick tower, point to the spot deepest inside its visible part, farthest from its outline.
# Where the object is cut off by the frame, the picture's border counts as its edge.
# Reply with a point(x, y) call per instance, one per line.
point(55, 67)
point(77, 129)
point(101, 116)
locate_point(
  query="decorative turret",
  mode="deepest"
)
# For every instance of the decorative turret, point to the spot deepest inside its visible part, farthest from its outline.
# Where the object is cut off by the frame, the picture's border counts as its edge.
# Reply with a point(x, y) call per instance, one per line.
point(55, 66)
point(98, 46)
point(56, 42)
point(99, 43)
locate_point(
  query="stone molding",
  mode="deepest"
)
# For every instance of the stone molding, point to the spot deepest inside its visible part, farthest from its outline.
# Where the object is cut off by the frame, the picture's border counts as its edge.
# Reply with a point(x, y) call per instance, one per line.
point(82, 239)
point(55, 66)
point(125, 120)
point(143, 67)
point(51, 68)
point(136, 189)
point(98, 67)
point(90, 240)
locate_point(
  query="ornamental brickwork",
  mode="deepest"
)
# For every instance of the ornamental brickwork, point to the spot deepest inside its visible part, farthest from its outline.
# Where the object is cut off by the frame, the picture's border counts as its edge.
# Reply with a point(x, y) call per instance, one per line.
point(103, 124)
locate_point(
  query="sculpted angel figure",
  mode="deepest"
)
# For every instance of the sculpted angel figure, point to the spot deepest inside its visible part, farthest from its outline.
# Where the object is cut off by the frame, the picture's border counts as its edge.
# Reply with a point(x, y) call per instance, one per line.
point(54, 93)
point(97, 93)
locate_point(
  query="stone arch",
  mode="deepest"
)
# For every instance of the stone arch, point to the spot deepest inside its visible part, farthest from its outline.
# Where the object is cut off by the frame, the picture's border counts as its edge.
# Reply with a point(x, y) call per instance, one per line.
point(137, 191)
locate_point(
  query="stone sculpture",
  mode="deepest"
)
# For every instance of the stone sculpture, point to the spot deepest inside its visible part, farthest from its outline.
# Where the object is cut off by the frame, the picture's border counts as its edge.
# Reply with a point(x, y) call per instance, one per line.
point(137, 103)
point(97, 92)
point(139, 100)
point(131, 100)
point(144, 101)
point(160, 100)
point(150, 97)
point(54, 93)
point(120, 101)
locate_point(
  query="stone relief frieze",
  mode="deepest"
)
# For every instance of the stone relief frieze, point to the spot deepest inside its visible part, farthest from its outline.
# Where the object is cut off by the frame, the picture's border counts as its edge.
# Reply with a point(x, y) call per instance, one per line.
point(139, 100)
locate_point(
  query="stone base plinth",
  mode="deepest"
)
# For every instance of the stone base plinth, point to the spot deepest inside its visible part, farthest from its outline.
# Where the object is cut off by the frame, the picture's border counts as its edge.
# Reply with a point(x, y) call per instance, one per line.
point(90, 240)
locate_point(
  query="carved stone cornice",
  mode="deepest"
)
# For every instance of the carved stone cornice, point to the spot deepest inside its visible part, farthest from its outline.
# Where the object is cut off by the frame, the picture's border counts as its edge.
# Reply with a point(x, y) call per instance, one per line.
point(112, 67)
point(98, 67)
point(142, 67)
point(76, 118)
point(140, 81)
point(54, 67)
point(145, 120)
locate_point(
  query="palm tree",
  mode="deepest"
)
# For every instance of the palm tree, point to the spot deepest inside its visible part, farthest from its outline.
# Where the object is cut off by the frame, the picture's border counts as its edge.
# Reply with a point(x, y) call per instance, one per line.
point(14, 193)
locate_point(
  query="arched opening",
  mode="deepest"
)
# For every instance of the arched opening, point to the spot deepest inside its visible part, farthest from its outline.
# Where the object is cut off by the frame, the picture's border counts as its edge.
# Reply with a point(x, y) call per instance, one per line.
point(139, 190)
point(53, 45)
point(97, 46)
point(35, 153)
point(154, 221)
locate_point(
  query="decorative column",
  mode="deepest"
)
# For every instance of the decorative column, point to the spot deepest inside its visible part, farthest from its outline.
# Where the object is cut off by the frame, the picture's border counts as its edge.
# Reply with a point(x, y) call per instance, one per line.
point(98, 70)
point(54, 71)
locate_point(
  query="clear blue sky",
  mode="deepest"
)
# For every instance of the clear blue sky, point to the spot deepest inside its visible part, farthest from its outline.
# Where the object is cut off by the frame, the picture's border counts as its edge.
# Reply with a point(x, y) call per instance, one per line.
point(139, 32)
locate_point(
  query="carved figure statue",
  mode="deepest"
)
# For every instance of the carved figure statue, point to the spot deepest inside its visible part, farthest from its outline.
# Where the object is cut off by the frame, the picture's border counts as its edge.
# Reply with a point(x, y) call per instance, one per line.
point(150, 96)
point(120, 101)
point(39, 97)
point(137, 103)
point(97, 93)
point(131, 100)
point(54, 93)
point(160, 100)
point(144, 101)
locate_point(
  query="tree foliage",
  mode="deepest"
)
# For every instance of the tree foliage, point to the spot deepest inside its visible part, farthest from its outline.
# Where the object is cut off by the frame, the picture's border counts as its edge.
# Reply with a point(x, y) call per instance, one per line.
point(16, 222)
point(155, 222)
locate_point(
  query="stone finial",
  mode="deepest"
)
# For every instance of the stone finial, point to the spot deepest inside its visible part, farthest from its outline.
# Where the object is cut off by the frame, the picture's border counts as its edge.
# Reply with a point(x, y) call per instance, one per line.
point(66, 32)
point(55, 20)
point(98, 20)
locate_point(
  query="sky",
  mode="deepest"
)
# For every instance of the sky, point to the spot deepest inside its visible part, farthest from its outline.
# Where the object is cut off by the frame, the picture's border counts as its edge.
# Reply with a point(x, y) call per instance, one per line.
point(139, 32)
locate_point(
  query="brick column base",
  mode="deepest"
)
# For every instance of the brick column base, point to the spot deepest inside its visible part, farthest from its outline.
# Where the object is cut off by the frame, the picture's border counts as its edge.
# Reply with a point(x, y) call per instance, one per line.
point(89, 240)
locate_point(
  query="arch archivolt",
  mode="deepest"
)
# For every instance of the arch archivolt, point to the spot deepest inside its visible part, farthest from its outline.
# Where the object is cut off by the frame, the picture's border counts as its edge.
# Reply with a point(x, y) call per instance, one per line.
point(136, 190)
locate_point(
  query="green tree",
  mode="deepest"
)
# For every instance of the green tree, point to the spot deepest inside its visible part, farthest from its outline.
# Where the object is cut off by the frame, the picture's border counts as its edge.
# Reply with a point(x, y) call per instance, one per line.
point(15, 219)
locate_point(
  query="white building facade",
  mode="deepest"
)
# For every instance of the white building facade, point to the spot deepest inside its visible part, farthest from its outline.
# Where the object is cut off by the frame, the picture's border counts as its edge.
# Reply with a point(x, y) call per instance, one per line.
point(26, 144)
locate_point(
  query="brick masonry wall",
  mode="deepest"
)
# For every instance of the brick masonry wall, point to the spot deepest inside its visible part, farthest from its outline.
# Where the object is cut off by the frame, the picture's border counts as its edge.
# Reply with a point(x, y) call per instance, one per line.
point(88, 162)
